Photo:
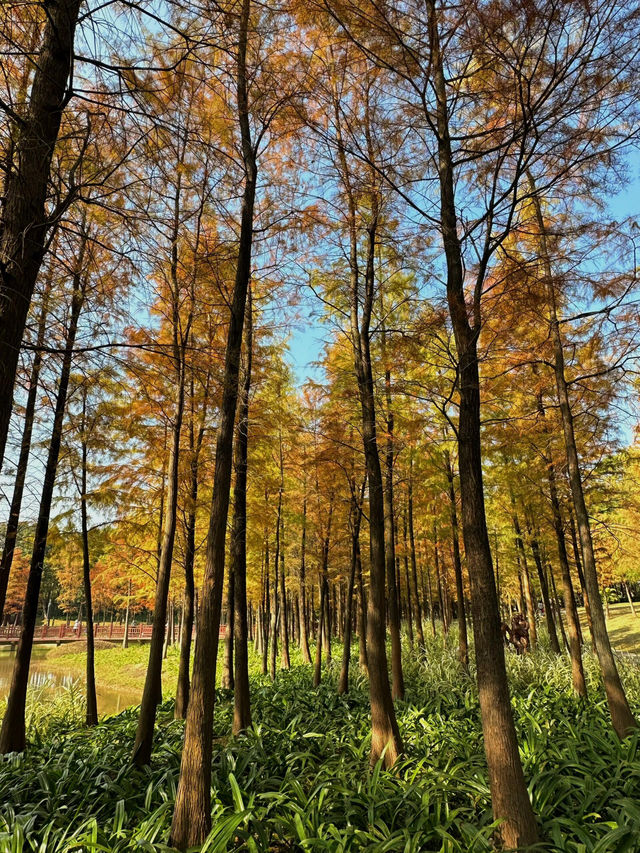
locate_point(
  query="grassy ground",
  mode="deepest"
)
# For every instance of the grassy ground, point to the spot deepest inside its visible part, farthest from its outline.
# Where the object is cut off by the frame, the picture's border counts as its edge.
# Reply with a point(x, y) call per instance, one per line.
point(298, 780)
point(623, 627)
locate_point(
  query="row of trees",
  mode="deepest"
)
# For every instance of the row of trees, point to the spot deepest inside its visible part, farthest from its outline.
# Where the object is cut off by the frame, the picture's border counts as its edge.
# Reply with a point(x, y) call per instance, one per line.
point(432, 172)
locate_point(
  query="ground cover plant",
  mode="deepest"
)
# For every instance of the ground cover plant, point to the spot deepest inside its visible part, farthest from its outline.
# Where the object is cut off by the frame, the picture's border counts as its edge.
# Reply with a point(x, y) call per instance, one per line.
point(299, 778)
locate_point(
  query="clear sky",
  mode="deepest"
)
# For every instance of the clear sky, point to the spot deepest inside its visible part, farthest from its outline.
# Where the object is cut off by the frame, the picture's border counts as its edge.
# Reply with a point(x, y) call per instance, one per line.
point(308, 336)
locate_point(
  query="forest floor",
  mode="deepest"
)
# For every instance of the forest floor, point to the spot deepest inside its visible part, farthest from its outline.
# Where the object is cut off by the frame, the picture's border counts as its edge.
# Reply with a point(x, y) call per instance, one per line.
point(623, 626)
point(298, 780)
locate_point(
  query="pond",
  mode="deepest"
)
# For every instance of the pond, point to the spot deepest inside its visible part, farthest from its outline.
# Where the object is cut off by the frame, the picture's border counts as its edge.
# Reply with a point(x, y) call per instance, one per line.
point(111, 700)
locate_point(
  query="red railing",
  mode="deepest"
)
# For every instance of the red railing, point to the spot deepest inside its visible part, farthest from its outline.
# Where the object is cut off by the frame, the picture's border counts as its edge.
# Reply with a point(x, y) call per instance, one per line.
point(59, 633)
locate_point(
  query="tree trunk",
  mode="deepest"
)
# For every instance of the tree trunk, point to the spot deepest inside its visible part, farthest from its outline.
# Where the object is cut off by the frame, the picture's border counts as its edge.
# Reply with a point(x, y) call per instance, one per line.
point(583, 586)
point(362, 616)
point(385, 734)
point(558, 608)
point(629, 599)
point(25, 221)
point(192, 813)
point(463, 642)
point(12, 734)
point(397, 678)
point(92, 703)
point(355, 518)
point(226, 681)
point(13, 521)
point(241, 695)
point(621, 717)
point(275, 611)
point(304, 624)
point(266, 611)
point(317, 668)
point(284, 627)
point(324, 625)
point(436, 563)
point(577, 670)
point(544, 587)
point(414, 567)
point(509, 794)
point(524, 576)
point(188, 598)
point(152, 693)
point(125, 639)
point(407, 578)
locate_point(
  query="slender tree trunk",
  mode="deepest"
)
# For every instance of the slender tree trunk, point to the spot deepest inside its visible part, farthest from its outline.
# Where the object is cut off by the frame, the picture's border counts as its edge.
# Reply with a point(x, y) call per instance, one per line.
point(92, 703)
point(577, 670)
point(192, 813)
point(304, 624)
point(266, 612)
point(12, 734)
point(544, 587)
point(621, 717)
point(432, 610)
point(436, 563)
point(188, 598)
point(558, 608)
point(629, 599)
point(524, 576)
point(241, 696)
point(463, 642)
point(317, 668)
point(25, 449)
point(275, 612)
point(125, 639)
point(385, 735)
point(284, 628)
point(362, 615)
point(226, 681)
point(328, 621)
point(414, 567)
point(356, 515)
point(25, 220)
point(324, 625)
point(152, 693)
point(580, 573)
point(509, 795)
point(397, 678)
point(407, 578)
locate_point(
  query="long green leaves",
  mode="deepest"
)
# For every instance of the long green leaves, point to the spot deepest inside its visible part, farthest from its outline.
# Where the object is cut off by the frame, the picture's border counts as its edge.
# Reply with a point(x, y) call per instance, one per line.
point(299, 779)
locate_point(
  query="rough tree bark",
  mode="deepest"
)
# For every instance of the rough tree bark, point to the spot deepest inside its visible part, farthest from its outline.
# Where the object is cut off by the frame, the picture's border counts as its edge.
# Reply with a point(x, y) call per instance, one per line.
point(24, 227)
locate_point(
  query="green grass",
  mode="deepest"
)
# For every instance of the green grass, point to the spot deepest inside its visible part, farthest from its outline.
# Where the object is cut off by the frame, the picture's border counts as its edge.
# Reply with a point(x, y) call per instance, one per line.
point(623, 626)
point(299, 779)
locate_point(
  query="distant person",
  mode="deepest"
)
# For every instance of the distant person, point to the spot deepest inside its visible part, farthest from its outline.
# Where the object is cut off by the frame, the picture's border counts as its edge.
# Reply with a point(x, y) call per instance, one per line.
point(520, 633)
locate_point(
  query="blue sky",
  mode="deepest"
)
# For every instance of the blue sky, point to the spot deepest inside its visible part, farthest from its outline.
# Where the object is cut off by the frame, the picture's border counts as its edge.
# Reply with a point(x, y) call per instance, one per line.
point(307, 337)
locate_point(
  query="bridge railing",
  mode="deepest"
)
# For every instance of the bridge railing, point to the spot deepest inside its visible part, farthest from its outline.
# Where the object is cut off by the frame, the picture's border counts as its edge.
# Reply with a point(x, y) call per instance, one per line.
point(57, 633)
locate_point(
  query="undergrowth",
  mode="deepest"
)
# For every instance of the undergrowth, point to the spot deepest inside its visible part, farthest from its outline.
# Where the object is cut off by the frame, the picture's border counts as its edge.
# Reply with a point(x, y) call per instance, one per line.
point(299, 779)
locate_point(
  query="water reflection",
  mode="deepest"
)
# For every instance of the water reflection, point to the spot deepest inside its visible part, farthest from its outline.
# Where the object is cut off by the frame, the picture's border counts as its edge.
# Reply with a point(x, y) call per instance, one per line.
point(111, 700)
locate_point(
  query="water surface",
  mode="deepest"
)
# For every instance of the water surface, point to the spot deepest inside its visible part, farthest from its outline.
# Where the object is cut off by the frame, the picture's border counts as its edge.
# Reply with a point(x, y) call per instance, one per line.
point(49, 679)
